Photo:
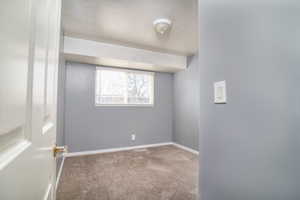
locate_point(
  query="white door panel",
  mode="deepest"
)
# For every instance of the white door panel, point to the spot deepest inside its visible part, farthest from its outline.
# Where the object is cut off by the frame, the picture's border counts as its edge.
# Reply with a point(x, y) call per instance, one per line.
point(13, 92)
point(29, 50)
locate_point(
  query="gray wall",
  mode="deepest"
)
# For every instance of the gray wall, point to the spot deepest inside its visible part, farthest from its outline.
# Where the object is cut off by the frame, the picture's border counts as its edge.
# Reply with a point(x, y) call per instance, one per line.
point(90, 128)
point(186, 105)
point(60, 138)
point(250, 146)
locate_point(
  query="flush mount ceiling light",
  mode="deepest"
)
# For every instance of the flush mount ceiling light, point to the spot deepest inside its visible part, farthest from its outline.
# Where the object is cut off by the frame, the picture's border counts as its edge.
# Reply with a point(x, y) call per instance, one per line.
point(161, 26)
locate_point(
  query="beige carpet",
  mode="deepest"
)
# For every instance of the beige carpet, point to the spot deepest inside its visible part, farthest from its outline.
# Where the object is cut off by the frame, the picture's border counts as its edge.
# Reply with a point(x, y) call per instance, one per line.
point(157, 173)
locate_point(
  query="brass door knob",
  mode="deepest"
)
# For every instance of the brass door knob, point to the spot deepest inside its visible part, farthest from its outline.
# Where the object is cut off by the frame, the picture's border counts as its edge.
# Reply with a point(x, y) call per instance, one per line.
point(59, 149)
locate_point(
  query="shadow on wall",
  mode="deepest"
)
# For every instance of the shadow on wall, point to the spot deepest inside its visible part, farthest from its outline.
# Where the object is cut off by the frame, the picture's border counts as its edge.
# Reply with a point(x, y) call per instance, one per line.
point(186, 105)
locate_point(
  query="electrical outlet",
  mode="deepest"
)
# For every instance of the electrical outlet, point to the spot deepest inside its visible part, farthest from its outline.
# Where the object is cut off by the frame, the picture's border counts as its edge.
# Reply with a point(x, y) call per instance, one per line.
point(132, 137)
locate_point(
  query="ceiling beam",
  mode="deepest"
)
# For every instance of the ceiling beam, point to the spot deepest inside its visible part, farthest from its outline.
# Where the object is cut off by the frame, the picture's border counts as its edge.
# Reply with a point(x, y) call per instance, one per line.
point(92, 52)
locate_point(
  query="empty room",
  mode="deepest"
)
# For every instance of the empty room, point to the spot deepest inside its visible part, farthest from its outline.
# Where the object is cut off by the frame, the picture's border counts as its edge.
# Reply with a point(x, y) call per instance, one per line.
point(149, 100)
point(129, 100)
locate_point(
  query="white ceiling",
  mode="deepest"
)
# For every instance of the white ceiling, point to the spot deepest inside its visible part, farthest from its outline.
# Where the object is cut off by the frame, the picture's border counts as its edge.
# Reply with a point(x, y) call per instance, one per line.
point(129, 23)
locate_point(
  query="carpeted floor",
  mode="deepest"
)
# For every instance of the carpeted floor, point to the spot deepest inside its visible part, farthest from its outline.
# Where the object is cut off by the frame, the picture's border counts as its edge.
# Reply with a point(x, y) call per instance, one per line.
point(157, 173)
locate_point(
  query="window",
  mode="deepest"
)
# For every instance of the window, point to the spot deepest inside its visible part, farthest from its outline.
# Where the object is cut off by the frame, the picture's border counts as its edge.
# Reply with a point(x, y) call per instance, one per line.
point(124, 87)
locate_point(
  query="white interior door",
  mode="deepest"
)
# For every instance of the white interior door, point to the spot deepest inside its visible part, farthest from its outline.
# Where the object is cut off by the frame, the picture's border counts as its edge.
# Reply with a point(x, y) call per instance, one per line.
point(29, 50)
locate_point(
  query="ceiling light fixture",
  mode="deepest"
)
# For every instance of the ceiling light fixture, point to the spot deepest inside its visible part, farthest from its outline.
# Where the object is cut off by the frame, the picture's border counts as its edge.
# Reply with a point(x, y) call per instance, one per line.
point(161, 26)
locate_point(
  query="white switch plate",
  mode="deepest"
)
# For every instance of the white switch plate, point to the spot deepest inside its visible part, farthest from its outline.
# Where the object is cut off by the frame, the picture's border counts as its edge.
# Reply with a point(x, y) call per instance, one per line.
point(220, 92)
point(132, 137)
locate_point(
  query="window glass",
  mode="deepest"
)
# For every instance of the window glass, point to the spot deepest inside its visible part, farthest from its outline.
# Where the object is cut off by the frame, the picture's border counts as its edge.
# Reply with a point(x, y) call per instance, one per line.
point(124, 87)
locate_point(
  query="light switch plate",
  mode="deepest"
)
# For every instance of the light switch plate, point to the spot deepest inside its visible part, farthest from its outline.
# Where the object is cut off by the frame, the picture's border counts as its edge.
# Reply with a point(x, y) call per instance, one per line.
point(220, 92)
point(133, 137)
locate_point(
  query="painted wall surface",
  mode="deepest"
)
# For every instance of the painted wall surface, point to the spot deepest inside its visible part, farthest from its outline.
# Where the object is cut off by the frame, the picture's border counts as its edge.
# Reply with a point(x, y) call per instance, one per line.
point(60, 137)
point(250, 146)
point(88, 127)
point(60, 140)
point(186, 105)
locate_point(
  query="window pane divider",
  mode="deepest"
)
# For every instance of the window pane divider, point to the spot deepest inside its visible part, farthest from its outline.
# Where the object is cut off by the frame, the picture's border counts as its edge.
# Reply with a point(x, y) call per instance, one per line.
point(126, 88)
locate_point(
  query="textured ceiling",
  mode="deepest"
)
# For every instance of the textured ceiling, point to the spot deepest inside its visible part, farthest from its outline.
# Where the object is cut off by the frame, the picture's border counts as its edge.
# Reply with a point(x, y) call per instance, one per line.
point(129, 23)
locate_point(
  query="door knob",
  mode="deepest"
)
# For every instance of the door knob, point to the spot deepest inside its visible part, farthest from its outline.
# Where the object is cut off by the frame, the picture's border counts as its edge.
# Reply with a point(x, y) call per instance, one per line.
point(59, 149)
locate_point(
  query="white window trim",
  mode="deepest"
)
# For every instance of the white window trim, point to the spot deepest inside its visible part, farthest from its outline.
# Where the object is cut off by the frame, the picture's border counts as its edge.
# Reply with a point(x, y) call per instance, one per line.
point(125, 70)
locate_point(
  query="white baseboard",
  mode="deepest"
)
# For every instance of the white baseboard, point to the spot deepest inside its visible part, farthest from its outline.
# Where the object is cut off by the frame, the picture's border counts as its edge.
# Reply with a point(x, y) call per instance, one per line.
point(186, 148)
point(82, 153)
point(59, 172)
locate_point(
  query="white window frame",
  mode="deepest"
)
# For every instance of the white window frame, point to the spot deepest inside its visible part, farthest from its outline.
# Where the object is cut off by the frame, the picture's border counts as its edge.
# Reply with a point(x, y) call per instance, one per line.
point(125, 104)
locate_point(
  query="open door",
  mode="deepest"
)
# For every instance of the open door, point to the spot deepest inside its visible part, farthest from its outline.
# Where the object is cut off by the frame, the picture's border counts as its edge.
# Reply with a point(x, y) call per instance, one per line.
point(29, 50)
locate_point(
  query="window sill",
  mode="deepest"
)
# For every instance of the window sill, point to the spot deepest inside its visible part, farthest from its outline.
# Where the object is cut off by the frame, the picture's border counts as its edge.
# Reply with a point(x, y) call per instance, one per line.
point(124, 105)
